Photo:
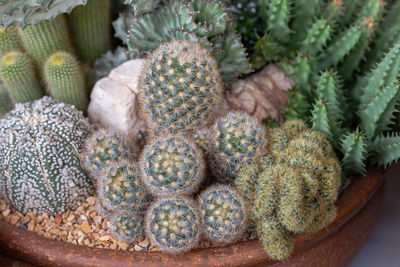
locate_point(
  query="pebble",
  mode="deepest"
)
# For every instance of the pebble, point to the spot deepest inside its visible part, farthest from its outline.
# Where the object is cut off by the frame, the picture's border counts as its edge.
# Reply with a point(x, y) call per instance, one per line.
point(138, 248)
point(86, 228)
point(58, 219)
point(6, 212)
point(26, 219)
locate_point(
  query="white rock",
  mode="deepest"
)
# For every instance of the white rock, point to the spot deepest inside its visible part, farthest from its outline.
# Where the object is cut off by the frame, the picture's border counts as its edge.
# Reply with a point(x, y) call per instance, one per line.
point(128, 74)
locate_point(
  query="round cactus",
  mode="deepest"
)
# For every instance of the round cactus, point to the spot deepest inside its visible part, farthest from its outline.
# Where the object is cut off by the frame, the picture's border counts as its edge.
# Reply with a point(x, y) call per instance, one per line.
point(103, 147)
point(172, 165)
point(181, 87)
point(127, 226)
point(224, 214)
point(236, 140)
point(40, 169)
point(174, 224)
point(119, 187)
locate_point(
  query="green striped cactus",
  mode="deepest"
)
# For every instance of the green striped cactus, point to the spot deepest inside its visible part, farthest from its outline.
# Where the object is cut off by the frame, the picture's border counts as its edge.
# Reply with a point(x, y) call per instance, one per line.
point(40, 168)
point(9, 40)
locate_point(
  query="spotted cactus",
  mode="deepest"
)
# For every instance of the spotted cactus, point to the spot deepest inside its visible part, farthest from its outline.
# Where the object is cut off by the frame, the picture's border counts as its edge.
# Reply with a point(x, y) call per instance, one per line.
point(40, 169)
point(224, 214)
point(127, 226)
point(172, 165)
point(174, 224)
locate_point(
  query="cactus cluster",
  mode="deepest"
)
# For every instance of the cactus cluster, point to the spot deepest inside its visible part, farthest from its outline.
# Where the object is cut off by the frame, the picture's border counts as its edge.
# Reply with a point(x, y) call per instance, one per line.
point(293, 189)
point(127, 226)
point(181, 87)
point(40, 169)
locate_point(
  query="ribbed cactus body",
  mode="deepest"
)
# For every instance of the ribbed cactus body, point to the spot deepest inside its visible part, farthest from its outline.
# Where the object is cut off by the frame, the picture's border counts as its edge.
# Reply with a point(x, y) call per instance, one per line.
point(65, 81)
point(40, 169)
point(46, 38)
point(90, 27)
point(174, 224)
point(19, 77)
point(172, 165)
point(6, 103)
point(9, 40)
point(181, 87)
point(236, 140)
point(127, 226)
point(224, 214)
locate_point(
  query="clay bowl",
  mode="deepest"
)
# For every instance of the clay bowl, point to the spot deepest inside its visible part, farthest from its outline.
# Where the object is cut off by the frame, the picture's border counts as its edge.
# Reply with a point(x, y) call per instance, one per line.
point(359, 207)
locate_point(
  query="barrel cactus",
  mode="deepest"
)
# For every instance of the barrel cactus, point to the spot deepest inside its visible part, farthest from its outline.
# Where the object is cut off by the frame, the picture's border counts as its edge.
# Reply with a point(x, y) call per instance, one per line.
point(172, 165)
point(224, 214)
point(40, 169)
point(174, 224)
point(127, 226)
point(181, 87)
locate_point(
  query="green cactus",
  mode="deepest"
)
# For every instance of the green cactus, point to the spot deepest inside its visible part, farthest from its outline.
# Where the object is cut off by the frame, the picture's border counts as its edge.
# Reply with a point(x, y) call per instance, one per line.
point(235, 140)
point(172, 165)
point(119, 187)
point(224, 214)
point(65, 81)
point(127, 226)
point(9, 40)
point(19, 77)
point(40, 168)
point(6, 103)
point(46, 38)
point(105, 146)
point(174, 224)
point(181, 87)
point(90, 26)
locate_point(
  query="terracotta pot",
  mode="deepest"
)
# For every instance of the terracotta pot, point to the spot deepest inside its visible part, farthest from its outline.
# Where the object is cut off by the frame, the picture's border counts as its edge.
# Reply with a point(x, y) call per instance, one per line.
point(359, 207)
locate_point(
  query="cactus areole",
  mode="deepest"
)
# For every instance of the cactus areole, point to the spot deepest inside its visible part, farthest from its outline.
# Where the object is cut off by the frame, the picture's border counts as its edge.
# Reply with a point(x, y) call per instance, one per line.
point(40, 169)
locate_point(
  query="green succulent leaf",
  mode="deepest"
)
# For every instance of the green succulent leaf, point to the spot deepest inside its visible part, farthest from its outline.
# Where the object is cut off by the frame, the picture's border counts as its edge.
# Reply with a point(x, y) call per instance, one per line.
point(122, 25)
point(277, 15)
point(320, 118)
point(304, 12)
point(141, 7)
point(353, 147)
point(317, 37)
point(386, 149)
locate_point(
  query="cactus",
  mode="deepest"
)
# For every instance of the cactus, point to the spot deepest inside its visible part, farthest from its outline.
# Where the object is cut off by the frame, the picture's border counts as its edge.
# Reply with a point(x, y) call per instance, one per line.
point(9, 40)
point(174, 224)
point(46, 38)
point(6, 103)
point(181, 87)
point(235, 140)
point(65, 81)
point(172, 165)
point(18, 76)
point(127, 226)
point(105, 146)
point(90, 26)
point(40, 168)
point(224, 214)
point(119, 187)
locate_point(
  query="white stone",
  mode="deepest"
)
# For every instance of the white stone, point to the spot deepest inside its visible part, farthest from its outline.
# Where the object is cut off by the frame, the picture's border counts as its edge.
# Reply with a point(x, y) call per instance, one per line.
point(128, 74)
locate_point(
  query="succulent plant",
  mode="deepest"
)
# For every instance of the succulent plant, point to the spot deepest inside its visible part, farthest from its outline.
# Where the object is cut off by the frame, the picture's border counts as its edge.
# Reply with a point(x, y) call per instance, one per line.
point(90, 26)
point(106, 146)
point(65, 81)
point(127, 226)
point(40, 168)
point(235, 140)
point(6, 103)
point(181, 87)
point(174, 224)
point(224, 214)
point(119, 187)
point(172, 165)
point(9, 40)
point(18, 75)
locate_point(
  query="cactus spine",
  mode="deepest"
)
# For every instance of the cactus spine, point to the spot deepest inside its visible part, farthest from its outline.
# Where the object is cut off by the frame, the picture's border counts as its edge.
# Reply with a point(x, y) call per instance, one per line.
point(46, 38)
point(18, 75)
point(65, 81)
point(91, 29)
point(9, 40)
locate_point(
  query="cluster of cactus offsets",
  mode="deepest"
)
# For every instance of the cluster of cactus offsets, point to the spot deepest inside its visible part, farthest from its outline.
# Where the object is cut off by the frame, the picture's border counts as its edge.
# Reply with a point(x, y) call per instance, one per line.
point(235, 140)
point(181, 87)
point(172, 165)
point(224, 214)
point(18, 75)
point(174, 224)
point(127, 226)
point(65, 81)
point(40, 169)
point(293, 189)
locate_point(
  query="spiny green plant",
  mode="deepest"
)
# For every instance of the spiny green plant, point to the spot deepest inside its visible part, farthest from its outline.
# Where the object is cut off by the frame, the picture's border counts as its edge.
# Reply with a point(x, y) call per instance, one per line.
point(64, 80)
point(204, 21)
point(18, 75)
point(105, 146)
point(9, 40)
point(172, 165)
point(90, 26)
point(181, 87)
point(174, 224)
point(6, 103)
point(235, 140)
point(224, 214)
point(127, 226)
point(40, 169)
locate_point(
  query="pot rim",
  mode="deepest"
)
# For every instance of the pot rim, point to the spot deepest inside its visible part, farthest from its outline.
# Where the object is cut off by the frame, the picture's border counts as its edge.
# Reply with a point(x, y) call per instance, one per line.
point(47, 252)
